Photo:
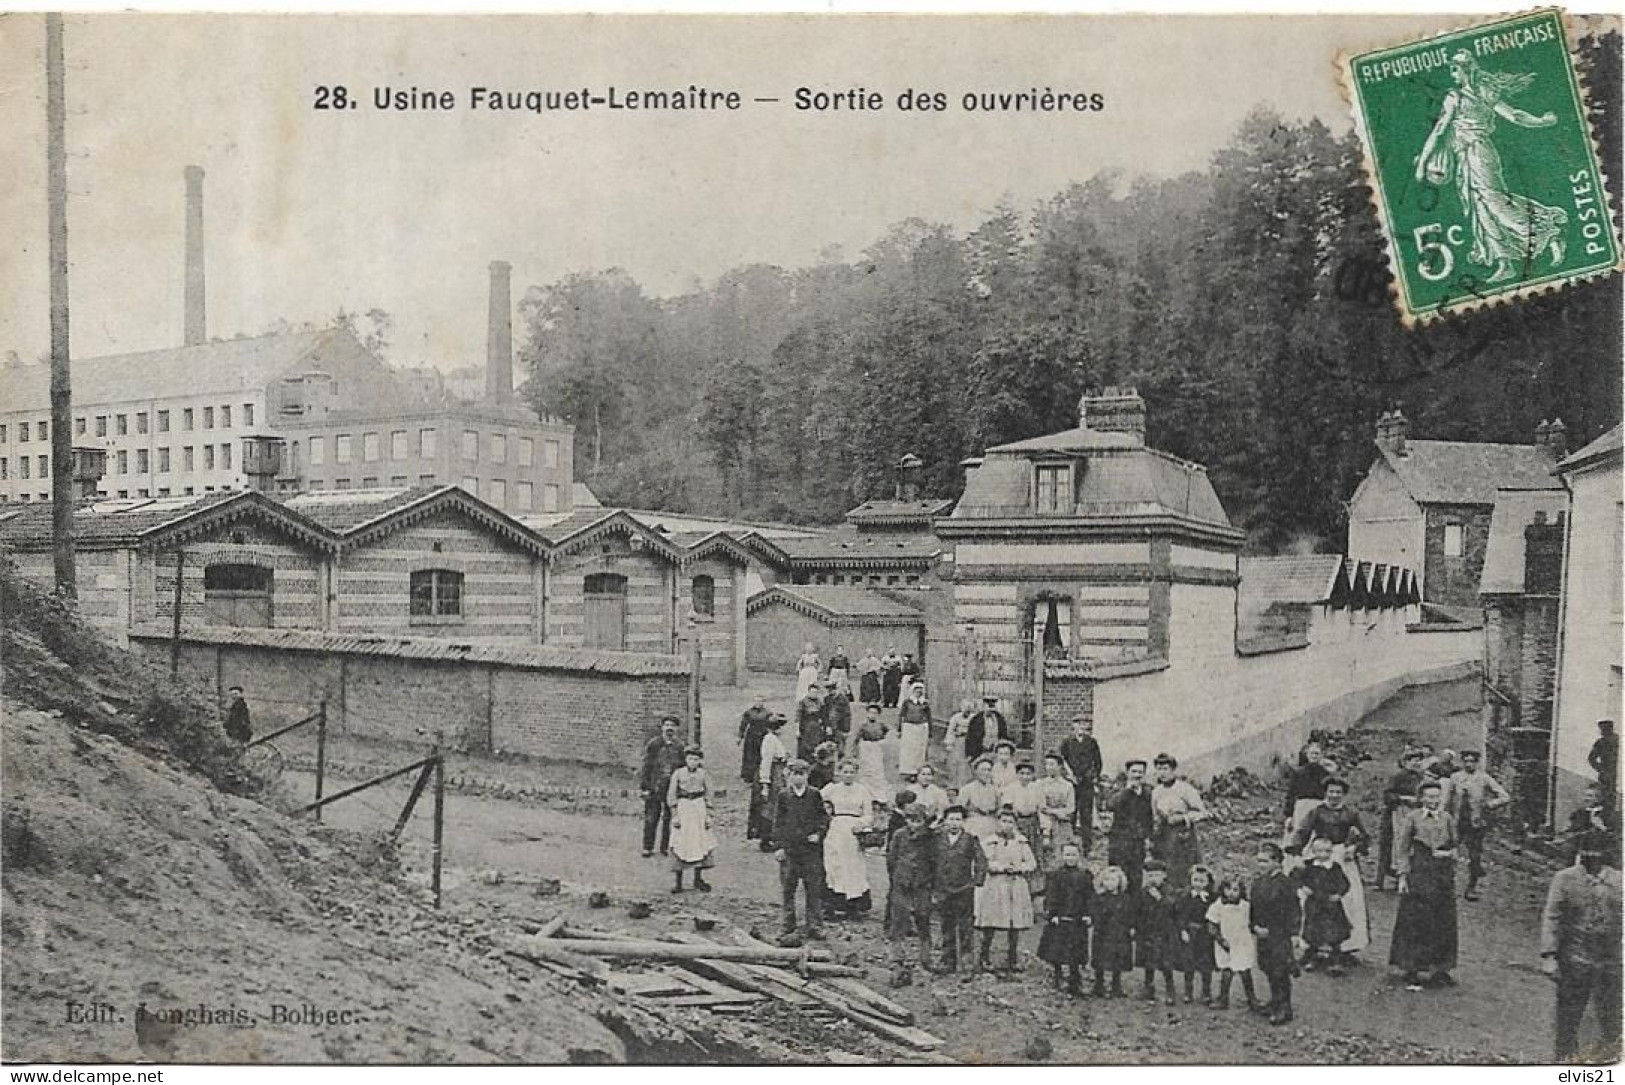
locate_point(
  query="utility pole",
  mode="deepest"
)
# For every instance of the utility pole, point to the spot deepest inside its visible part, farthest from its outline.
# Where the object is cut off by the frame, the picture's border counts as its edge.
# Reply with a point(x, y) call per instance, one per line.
point(62, 495)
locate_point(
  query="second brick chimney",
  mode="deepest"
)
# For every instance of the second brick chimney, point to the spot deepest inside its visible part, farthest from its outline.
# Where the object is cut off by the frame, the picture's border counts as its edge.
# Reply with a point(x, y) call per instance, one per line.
point(499, 337)
point(1393, 429)
point(196, 326)
point(1114, 410)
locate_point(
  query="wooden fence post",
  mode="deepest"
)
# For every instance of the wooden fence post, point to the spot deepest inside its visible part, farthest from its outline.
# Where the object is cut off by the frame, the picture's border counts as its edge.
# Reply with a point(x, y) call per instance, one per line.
point(321, 750)
point(439, 813)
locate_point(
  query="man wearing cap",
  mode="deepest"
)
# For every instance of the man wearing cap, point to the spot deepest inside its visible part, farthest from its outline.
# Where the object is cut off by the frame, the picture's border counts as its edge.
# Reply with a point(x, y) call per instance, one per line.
point(1081, 755)
point(1476, 796)
point(1399, 798)
point(661, 757)
point(1579, 949)
point(986, 729)
point(810, 722)
point(800, 823)
point(961, 868)
point(1132, 823)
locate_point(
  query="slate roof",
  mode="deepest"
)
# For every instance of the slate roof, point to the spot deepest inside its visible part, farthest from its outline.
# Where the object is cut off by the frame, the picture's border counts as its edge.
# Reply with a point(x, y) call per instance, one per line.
point(1469, 472)
point(850, 547)
point(345, 510)
point(360, 517)
point(898, 512)
point(538, 657)
point(1504, 552)
point(858, 606)
point(1608, 443)
point(579, 520)
point(1308, 578)
point(1080, 439)
point(223, 366)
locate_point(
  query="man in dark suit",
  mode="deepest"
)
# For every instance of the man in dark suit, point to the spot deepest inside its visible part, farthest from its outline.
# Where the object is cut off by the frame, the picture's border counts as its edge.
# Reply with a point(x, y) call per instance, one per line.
point(238, 726)
point(1132, 824)
point(1276, 916)
point(800, 823)
point(661, 757)
point(961, 867)
point(1081, 755)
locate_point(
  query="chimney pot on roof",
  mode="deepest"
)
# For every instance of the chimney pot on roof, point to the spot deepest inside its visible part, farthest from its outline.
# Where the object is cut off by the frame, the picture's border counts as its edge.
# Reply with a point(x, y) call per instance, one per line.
point(1392, 430)
point(499, 337)
point(196, 326)
point(909, 469)
point(1114, 409)
point(1557, 439)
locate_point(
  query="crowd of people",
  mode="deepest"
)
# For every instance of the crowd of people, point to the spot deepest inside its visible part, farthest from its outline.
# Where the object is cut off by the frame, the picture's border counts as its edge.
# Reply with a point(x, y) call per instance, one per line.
point(1002, 845)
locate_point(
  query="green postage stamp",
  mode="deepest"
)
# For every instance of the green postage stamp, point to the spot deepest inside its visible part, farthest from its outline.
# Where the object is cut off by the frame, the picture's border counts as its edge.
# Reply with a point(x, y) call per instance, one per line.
point(1480, 155)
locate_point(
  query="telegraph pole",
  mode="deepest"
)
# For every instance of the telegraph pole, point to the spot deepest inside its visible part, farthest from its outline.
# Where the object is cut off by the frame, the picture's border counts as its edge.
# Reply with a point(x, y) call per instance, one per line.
point(62, 495)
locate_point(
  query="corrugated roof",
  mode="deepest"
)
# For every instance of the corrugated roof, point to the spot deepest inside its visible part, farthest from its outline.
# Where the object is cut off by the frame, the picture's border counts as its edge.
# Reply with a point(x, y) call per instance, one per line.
point(1469, 472)
point(1504, 552)
point(228, 365)
point(1307, 578)
point(835, 602)
point(1602, 446)
point(533, 657)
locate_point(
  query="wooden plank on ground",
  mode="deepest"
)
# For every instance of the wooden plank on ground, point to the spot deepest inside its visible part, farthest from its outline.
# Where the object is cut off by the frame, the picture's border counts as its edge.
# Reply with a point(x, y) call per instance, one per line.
point(649, 984)
point(714, 1001)
point(867, 997)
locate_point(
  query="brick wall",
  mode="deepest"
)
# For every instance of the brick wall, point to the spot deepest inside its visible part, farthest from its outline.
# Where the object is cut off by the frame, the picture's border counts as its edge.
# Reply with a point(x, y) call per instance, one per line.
point(595, 716)
point(718, 632)
point(295, 576)
point(500, 582)
point(649, 576)
point(1454, 581)
point(778, 634)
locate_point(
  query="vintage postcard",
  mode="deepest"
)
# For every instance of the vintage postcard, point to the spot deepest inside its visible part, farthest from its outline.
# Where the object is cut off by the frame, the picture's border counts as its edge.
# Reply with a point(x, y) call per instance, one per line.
point(1515, 147)
point(810, 540)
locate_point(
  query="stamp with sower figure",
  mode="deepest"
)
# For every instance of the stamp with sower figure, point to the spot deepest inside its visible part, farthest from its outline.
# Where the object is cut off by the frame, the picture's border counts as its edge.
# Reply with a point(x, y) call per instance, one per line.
point(1482, 164)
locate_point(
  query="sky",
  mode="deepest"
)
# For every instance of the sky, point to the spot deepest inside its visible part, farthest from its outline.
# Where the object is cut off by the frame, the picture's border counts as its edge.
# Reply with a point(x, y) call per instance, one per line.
point(308, 212)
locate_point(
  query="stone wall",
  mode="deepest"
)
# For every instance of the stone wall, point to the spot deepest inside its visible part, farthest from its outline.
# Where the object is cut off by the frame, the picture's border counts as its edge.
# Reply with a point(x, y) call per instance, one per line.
point(1454, 581)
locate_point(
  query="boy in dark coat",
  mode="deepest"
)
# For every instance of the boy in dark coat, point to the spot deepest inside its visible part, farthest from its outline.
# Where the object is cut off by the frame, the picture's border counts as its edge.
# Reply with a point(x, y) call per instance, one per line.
point(961, 867)
point(1068, 896)
point(1276, 917)
point(800, 823)
point(1113, 918)
point(911, 868)
point(1154, 930)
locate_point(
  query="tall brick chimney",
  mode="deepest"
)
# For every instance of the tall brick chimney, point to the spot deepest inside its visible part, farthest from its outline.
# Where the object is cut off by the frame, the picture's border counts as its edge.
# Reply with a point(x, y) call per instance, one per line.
point(909, 469)
point(1114, 410)
point(499, 337)
point(1393, 428)
point(1554, 437)
point(196, 325)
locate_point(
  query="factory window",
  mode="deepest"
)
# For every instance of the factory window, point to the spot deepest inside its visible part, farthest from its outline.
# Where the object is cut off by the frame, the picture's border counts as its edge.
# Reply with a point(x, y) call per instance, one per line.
point(705, 596)
point(499, 448)
point(163, 461)
point(248, 414)
point(550, 453)
point(1452, 540)
point(524, 496)
point(225, 417)
point(143, 492)
point(208, 418)
point(426, 443)
point(471, 445)
point(141, 421)
point(527, 452)
point(369, 482)
point(142, 461)
point(208, 457)
point(341, 484)
point(45, 467)
point(2, 433)
point(163, 491)
point(341, 448)
point(397, 480)
point(225, 456)
point(123, 462)
point(23, 467)
point(78, 427)
point(426, 480)
point(471, 484)
point(318, 451)
point(1054, 485)
point(121, 424)
point(397, 445)
point(550, 498)
point(237, 595)
point(44, 431)
point(186, 419)
point(163, 421)
point(369, 447)
point(101, 425)
point(5, 468)
point(437, 593)
point(23, 432)
point(498, 494)
point(187, 461)
point(189, 491)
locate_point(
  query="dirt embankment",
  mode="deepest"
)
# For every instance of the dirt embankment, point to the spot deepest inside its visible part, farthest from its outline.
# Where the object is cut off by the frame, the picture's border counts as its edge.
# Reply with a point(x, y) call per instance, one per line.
point(136, 884)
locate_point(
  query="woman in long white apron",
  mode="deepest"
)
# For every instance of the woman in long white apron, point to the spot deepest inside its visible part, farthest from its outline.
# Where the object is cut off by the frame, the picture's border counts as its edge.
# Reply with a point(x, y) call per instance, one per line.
point(846, 874)
point(868, 748)
point(692, 842)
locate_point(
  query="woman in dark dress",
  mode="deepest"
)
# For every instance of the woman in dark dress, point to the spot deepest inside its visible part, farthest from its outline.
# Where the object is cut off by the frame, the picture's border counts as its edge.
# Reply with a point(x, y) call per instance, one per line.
point(1305, 787)
point(891, 678)
point(1425, 925)
point(1069, 896)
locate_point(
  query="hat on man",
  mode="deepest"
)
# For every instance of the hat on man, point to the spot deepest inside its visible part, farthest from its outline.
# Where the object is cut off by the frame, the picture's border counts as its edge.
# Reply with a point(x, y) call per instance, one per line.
point(797, 764)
